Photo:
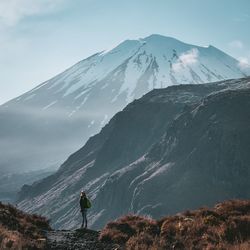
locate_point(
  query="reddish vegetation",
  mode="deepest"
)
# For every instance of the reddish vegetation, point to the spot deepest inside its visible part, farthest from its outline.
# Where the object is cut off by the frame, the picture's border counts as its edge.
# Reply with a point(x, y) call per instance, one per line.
point(19, 230)
point(226, 226)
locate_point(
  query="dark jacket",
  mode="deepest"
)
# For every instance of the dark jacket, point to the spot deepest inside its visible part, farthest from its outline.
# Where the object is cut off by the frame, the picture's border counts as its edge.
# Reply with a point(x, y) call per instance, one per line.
point(83, 203)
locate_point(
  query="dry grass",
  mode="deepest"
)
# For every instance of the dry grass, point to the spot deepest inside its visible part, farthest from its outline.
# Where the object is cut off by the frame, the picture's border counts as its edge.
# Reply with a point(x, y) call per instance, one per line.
point(226, 226)
point(19, 230)
point(125, 228)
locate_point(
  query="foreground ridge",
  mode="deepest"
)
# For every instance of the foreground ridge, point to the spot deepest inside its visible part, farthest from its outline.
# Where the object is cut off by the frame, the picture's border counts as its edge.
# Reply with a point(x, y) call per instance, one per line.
point(226, 226)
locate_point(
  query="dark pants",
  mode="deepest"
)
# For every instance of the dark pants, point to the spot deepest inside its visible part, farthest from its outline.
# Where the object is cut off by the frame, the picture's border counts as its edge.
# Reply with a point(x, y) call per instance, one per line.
point(84, 218)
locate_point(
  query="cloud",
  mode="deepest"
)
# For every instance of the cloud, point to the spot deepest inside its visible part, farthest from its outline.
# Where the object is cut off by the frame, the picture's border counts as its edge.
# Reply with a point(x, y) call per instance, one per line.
point(186, 59)
point(236, 44)
point(244, 63)
point(13, 11)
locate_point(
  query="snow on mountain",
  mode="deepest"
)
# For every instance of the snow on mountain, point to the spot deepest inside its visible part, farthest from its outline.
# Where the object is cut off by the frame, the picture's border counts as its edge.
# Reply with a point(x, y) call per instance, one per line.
point(161, 61)
point(43, 126)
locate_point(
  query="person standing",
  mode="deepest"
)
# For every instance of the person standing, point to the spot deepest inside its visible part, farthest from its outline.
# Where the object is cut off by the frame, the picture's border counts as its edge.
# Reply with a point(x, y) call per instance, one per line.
point(84, 204)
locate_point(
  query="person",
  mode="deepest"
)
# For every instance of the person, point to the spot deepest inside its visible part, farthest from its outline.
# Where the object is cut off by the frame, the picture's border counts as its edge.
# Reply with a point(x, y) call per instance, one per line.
point(84, 204)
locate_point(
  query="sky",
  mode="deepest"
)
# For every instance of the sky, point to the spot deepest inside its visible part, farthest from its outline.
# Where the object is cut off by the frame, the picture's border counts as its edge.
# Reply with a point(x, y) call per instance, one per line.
point(41, 38)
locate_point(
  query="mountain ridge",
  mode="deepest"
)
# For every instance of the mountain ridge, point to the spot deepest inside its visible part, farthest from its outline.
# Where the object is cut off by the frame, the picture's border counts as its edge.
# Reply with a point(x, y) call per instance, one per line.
point(142, 150)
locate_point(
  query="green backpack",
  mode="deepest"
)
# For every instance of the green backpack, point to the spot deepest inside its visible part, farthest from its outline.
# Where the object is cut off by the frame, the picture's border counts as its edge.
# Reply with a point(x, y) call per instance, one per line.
point(88, 203)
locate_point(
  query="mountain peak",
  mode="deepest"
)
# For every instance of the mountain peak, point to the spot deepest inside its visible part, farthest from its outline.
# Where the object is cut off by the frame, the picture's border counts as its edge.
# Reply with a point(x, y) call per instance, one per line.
point(84, 97)
point(158, 37)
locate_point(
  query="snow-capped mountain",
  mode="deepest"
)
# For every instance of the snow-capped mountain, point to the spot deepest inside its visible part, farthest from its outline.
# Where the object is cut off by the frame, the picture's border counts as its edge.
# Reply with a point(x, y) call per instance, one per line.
point(173, 149)
point(43, 126)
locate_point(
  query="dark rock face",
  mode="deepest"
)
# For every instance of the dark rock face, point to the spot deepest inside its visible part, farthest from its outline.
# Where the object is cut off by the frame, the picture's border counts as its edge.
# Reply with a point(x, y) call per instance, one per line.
point(174, 149)
point(206, 150)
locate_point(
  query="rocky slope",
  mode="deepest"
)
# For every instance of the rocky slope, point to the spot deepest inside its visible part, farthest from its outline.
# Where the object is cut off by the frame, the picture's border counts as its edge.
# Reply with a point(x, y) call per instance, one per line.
point(57, 117)
point(173, 149)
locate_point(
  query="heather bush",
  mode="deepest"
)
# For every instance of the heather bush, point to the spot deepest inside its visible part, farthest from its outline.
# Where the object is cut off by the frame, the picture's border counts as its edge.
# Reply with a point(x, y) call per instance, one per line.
point(19, 230)
point(226, 226)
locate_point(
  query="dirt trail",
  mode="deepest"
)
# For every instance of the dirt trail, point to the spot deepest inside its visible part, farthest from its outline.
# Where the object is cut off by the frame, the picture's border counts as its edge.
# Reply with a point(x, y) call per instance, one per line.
point(78, 239)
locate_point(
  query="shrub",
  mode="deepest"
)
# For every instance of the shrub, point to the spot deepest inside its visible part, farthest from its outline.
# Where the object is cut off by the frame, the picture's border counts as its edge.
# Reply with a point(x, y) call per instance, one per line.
point(226, 226)
point(19, 230)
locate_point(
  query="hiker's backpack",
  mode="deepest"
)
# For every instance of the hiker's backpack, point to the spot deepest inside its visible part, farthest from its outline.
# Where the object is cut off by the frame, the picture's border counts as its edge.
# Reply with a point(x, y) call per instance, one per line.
point(88, 203)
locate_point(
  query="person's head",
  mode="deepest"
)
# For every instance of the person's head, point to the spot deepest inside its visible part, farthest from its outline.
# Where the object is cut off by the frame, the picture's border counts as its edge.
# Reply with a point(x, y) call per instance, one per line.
point(83, 194)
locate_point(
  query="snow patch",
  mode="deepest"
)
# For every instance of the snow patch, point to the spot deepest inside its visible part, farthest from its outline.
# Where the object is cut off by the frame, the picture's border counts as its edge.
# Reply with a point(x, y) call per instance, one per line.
point(91, 123)
point(104, 121)
point(29, 97)
point(95, 217)
point(81, 94)
point(50, 105)
point(71, 113)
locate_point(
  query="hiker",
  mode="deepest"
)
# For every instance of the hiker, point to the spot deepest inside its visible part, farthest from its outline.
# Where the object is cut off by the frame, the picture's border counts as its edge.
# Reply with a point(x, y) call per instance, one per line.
point(84, 204)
